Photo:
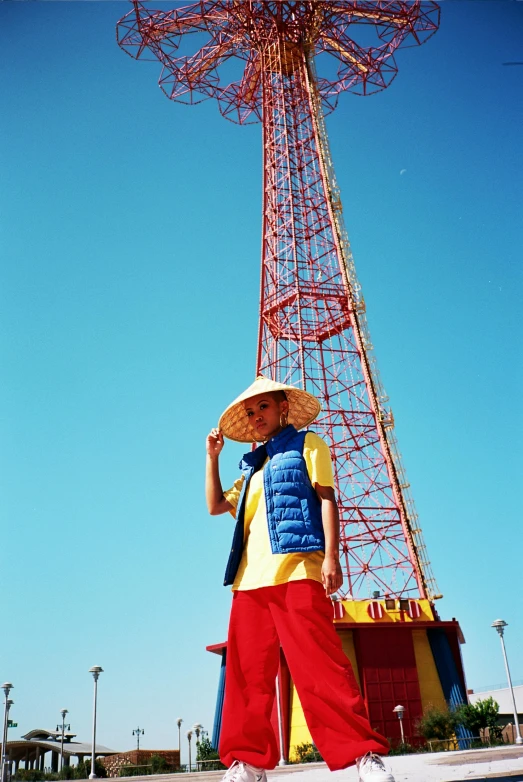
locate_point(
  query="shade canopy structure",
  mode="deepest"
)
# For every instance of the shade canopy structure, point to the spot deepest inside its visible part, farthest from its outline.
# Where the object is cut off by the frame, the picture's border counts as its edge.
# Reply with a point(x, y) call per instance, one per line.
point(32, 748)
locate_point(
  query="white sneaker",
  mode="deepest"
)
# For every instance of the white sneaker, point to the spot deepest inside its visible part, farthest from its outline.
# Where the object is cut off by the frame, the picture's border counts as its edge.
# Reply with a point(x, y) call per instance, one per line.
point(243, 772)
point(371, 769)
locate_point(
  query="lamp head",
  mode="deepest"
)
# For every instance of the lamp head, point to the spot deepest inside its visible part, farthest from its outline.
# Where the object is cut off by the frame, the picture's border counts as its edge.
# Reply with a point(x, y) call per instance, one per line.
point(399, 710)
point(7, 687)
point(189, 734)
point(96, 670)
point(179, 721)
point(500, 625)
point(63, 712)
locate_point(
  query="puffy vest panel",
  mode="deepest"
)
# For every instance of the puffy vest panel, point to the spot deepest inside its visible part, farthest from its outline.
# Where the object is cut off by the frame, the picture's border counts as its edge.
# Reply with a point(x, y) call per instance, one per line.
point(293, 507)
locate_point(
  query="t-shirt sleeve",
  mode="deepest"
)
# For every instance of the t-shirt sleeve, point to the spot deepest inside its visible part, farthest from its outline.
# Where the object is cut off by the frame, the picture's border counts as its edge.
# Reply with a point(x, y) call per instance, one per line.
point(233, 494)
point(318, 460)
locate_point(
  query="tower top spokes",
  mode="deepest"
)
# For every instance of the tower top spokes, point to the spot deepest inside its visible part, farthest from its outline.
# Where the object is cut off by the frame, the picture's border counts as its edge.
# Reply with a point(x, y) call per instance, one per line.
point(358, 39)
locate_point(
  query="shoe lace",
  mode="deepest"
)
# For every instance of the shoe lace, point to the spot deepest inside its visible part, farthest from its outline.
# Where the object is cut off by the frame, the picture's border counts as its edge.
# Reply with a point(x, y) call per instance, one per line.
point(233, 772)
point(372, 762)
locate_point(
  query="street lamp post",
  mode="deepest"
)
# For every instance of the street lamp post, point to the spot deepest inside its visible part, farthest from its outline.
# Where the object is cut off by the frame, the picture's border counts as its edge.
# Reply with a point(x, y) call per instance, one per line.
point(179, 723)
point(63, 713)
point(500, 625)
point(7, 687)
point(198, 729)
point(96, 670)
point(6, 764)
point(189, 737)
point(138, 732)
point(399, 710)
point(282, 761)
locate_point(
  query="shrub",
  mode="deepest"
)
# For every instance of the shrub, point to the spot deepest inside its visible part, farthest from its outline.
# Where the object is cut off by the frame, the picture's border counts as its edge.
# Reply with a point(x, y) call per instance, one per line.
point(437, 723)
point(158, 764)
point(403, 748)
point(306, 753)
point(83, 769)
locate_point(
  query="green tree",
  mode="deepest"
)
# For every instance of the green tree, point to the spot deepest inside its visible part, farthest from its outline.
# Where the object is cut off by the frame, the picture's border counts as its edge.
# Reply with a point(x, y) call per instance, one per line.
point(205, 751)
point(479, 716)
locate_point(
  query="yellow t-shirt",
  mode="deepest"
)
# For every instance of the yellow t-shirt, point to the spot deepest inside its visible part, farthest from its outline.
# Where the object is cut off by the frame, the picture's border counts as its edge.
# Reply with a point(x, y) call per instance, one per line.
point(259, 567)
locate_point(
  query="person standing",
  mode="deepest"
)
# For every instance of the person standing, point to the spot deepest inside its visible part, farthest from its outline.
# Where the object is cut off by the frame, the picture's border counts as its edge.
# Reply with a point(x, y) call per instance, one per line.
point(283, 565)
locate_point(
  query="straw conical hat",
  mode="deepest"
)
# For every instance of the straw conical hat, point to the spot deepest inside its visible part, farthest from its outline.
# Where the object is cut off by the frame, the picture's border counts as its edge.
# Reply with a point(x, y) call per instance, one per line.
point(303, 409)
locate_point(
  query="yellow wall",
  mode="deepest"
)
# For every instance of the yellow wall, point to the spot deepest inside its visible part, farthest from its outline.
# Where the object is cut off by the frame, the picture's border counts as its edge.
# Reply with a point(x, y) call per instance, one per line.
point(299, 732)
point(347, 642)
point(429, 683)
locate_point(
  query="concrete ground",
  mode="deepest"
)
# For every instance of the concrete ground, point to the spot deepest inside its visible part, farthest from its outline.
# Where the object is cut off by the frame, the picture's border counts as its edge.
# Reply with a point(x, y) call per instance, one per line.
point(504, 764)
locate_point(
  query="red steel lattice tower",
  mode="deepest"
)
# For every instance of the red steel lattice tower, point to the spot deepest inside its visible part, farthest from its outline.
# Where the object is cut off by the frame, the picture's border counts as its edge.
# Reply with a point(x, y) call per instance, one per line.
point(313, 331)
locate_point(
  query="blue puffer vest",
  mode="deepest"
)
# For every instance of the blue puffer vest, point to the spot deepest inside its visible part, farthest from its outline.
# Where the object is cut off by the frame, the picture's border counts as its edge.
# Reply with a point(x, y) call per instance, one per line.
point(293, 507)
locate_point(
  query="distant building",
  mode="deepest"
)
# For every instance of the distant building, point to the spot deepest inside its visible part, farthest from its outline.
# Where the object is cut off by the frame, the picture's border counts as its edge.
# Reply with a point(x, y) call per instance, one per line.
point(32, 750)
point(139, 757)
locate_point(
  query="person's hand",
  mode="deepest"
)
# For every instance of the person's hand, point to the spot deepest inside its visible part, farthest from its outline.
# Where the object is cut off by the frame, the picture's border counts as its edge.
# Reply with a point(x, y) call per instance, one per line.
point(214, 443)
point(331, 575)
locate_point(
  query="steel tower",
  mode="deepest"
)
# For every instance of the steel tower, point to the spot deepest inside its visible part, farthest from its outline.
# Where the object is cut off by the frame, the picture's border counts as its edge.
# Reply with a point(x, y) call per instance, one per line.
point(313, 330)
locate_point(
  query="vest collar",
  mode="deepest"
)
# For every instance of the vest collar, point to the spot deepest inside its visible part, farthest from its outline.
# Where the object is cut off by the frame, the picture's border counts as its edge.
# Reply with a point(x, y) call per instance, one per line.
point(253, 460)
point(279, 441)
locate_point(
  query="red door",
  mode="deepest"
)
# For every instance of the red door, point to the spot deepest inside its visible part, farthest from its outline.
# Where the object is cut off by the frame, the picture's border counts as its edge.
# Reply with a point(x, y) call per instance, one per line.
point(389, 678)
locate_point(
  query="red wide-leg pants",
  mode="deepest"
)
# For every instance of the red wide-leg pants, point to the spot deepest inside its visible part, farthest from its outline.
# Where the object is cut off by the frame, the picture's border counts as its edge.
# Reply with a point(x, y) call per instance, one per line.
point(298, 616)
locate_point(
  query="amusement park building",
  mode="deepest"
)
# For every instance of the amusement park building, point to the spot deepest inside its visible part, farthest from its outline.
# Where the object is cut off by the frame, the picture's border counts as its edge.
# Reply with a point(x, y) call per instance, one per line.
point(401, 653)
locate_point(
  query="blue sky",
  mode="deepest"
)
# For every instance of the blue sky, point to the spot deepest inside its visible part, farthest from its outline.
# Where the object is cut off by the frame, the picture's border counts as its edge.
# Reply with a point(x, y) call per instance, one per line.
point(130, 234)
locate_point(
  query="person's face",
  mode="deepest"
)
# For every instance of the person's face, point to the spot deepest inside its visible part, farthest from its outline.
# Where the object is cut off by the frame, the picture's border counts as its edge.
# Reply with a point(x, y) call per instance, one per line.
point(263, 412)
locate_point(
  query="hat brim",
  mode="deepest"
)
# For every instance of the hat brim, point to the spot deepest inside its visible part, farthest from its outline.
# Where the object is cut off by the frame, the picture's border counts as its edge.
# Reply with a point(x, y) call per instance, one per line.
point(304, 408)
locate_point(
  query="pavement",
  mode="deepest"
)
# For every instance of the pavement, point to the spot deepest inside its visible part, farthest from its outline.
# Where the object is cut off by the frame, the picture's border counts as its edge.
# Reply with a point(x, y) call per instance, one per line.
point(504, 764)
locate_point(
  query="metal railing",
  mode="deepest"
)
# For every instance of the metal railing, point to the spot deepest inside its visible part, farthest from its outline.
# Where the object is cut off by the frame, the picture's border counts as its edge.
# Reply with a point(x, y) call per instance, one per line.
point(210, 765)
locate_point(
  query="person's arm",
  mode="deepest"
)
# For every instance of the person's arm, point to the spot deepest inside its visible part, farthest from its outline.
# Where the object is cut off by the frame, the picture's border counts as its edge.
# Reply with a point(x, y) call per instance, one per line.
point(216, 502)
point(331, 574)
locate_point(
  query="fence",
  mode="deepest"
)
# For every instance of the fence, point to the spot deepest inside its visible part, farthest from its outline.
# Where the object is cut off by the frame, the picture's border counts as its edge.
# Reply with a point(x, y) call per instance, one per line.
point(419, 744)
